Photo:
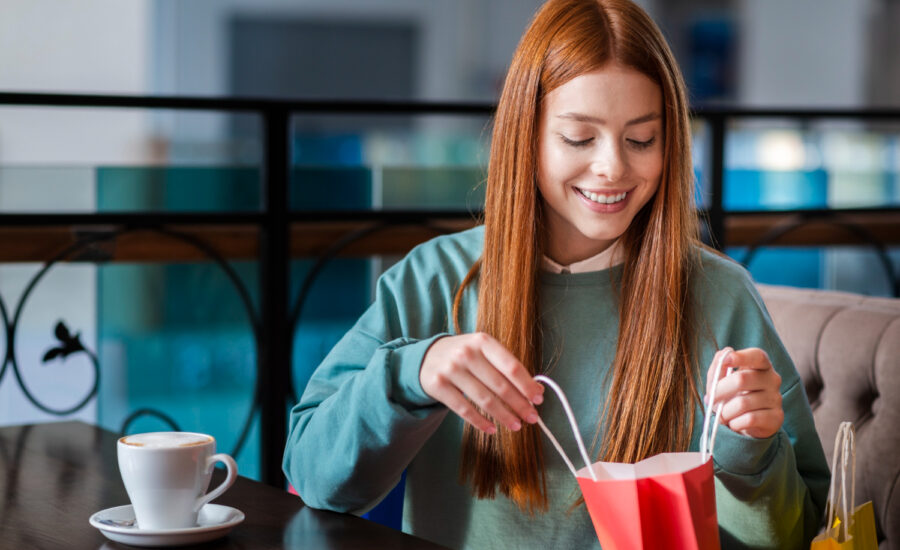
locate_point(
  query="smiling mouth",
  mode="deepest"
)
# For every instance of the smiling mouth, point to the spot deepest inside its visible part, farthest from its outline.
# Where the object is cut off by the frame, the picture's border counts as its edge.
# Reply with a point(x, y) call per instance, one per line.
point(601, 198)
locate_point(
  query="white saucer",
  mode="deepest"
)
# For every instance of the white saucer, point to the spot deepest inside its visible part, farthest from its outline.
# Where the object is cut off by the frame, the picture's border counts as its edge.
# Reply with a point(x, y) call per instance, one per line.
point(213, 522)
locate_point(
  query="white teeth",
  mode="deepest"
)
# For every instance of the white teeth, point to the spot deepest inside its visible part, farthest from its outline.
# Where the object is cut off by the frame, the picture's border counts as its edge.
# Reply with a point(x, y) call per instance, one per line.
point(603, 199)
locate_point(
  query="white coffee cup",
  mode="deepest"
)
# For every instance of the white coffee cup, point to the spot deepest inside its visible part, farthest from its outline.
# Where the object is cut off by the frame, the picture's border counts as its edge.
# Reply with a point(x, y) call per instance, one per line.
point(166, 475)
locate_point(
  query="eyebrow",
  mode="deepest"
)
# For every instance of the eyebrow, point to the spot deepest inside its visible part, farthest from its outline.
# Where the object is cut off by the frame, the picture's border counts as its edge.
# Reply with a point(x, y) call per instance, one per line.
point(594, 120)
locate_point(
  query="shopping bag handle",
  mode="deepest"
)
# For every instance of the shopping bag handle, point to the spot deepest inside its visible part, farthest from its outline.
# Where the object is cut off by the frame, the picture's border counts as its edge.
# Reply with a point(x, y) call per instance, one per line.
point(706, 443)
point(566, 407)
point(845, 444)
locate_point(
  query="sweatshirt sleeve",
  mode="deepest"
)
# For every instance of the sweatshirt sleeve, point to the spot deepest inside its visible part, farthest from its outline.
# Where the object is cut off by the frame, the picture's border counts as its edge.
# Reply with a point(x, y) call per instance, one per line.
point(364, 415)
point(770, 493)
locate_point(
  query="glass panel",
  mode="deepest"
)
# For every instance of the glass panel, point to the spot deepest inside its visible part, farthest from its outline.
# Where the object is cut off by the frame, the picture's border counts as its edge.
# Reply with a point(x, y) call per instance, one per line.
point(780, 165)
point(177, 189)
point(51, 373)
point(700, 151)
point(127, 160)
point(851, 269)
point(421, 162)
point(176, 339)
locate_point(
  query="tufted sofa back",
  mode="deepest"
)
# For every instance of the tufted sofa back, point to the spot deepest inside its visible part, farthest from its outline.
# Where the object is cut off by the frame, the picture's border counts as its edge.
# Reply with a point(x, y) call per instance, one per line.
point(847, 350)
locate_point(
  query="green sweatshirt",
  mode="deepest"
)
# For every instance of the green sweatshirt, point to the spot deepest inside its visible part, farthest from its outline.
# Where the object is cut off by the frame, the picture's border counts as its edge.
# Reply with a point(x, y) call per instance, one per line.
point(364, 418)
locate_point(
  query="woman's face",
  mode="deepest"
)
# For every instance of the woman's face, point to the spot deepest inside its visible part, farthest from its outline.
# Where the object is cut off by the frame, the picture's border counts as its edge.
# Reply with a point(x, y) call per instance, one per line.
point(600, 155)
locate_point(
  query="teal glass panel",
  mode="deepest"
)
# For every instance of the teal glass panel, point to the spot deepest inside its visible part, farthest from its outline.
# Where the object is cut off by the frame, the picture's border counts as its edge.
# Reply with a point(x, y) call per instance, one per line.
point(433, 188)
point(330, 188)
point(178, 189)
point(177, 339)
point(339, 295)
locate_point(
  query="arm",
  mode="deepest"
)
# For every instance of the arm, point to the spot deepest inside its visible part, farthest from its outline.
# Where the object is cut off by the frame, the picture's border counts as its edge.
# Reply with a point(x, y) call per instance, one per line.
point(770, 492)
point(770, 489)
point(363, 415)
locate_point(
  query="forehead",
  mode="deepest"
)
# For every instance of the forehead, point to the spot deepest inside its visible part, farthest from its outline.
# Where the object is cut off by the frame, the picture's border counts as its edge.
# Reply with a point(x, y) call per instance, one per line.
point(612, 93)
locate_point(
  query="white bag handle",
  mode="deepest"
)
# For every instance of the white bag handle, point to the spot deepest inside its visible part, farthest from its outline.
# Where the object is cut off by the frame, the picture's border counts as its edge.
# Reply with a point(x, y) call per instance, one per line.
point(844, 442)
point(568, 409)
point(706, 444)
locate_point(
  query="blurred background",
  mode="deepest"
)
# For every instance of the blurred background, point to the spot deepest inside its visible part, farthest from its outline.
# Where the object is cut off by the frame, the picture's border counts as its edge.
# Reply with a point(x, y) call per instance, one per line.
point(175, 335)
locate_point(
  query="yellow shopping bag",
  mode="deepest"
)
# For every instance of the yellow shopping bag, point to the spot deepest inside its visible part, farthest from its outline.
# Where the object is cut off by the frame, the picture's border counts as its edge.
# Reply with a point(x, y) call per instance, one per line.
point(849, 527)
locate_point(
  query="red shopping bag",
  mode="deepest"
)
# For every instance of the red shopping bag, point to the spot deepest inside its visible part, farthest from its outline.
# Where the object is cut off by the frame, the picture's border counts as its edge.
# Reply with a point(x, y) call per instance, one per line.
point(665, 501)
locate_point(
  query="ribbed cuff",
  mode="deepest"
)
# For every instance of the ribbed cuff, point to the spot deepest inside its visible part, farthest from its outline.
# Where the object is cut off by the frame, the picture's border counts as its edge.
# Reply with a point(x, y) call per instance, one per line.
point(743, 455)
point(405, 362)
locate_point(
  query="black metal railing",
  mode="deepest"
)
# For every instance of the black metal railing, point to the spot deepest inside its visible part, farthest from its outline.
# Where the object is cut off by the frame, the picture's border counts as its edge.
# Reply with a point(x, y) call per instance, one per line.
point(275, 321)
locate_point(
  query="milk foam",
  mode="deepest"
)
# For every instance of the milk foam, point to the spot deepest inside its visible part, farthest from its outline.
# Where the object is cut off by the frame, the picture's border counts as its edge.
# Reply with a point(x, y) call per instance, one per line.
point(160, 440)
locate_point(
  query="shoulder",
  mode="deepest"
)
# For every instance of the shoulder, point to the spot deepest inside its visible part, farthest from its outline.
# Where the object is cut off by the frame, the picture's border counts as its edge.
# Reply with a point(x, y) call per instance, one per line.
point(720, 279)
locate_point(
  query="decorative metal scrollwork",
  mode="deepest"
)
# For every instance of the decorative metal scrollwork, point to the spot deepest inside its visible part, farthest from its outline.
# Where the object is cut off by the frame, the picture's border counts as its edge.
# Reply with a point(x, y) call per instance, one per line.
point(68, 344)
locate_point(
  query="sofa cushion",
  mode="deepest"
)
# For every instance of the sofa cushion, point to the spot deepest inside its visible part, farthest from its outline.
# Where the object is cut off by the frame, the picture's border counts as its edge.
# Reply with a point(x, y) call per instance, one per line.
point(846, 348)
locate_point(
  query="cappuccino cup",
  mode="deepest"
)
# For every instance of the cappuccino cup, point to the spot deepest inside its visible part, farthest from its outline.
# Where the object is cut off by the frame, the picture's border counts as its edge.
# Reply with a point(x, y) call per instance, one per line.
point(166, 475)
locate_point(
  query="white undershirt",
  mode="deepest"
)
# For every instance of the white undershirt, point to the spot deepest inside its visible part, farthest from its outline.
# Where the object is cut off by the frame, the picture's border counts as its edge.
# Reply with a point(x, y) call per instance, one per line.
point(613, 255)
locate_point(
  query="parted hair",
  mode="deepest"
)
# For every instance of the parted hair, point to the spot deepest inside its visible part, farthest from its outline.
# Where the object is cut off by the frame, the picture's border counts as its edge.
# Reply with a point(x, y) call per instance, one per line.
point(653, 386)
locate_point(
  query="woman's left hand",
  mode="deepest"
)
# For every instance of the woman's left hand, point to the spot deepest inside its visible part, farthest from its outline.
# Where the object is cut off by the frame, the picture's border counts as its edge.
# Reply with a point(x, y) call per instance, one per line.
point(751, 393)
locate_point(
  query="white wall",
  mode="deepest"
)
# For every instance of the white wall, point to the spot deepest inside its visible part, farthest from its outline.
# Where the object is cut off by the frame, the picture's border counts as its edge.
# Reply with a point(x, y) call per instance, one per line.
point(89, 46)
point(461, 39)
point(803, 53)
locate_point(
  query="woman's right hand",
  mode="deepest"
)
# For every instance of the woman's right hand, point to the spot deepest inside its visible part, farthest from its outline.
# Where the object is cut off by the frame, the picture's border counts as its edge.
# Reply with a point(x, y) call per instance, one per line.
point(468, 369)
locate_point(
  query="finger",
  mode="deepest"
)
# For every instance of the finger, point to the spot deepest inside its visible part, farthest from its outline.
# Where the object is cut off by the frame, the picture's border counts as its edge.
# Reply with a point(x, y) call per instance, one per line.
point(495, 381)
point(457, 402)
point(744, 381)
point(711, 371)
point(748, 403)
point(750, 358)
point(491, 404)
point(760, 424)
point(513, 370)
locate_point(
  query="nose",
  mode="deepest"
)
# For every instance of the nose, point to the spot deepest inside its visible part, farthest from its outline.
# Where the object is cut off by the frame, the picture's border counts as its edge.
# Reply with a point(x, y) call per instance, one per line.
point(609, 162)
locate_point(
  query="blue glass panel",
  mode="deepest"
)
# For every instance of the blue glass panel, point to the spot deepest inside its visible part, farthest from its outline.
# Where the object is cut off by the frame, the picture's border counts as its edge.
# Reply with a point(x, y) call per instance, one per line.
point(800, 267)
point(330, 188)
point(326, 149)
point(773, 190)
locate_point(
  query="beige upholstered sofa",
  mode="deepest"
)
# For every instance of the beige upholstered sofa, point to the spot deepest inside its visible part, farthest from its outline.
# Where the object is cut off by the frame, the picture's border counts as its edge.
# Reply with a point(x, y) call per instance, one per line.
point(847, 350)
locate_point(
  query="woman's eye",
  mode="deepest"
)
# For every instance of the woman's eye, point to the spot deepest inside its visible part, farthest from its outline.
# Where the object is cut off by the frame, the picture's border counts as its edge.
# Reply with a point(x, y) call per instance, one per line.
point(576, 142)
point(637, 144)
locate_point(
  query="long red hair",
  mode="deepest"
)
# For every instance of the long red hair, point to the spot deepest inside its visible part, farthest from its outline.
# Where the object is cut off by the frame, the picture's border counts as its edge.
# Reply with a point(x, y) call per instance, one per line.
point(653, 386)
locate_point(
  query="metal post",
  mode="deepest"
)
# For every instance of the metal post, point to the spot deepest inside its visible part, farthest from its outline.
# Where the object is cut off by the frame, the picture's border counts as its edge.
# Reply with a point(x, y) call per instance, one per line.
point(717, 179)
point(274, 354)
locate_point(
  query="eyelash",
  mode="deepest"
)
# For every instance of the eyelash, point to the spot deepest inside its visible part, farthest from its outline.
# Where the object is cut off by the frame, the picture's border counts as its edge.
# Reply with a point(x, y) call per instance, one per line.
point(639, 145)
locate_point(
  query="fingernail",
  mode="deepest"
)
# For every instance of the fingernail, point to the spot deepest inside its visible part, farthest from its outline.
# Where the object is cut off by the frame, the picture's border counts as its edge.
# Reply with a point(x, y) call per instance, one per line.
point(537, 399)
point(515, 426)
point(491, 429)
point(532, 418)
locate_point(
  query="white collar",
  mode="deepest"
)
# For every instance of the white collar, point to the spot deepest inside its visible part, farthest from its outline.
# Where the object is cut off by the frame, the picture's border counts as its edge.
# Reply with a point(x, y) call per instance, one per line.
point(613, 255)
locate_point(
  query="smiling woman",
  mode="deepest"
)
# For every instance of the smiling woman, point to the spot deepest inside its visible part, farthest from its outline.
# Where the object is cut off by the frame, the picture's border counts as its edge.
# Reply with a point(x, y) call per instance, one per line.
point(590, 167)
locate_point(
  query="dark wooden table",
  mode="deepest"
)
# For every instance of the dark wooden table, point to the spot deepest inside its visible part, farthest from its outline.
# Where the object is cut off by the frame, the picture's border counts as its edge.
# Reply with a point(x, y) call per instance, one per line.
point(54, 476)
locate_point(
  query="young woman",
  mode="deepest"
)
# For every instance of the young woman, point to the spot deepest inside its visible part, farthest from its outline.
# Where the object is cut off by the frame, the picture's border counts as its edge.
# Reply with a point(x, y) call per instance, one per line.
point(587, 268)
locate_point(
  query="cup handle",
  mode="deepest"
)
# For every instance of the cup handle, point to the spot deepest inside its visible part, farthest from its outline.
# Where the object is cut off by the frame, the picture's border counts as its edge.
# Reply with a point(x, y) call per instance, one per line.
point(229, 478)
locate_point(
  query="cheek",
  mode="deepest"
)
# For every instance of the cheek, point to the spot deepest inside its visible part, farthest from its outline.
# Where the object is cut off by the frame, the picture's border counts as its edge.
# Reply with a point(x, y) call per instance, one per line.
point(558, 165)
point(650, 171)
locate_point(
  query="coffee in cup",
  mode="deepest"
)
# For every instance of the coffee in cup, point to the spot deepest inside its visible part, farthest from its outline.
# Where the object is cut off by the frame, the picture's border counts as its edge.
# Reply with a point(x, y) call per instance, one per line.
point(166, 475)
